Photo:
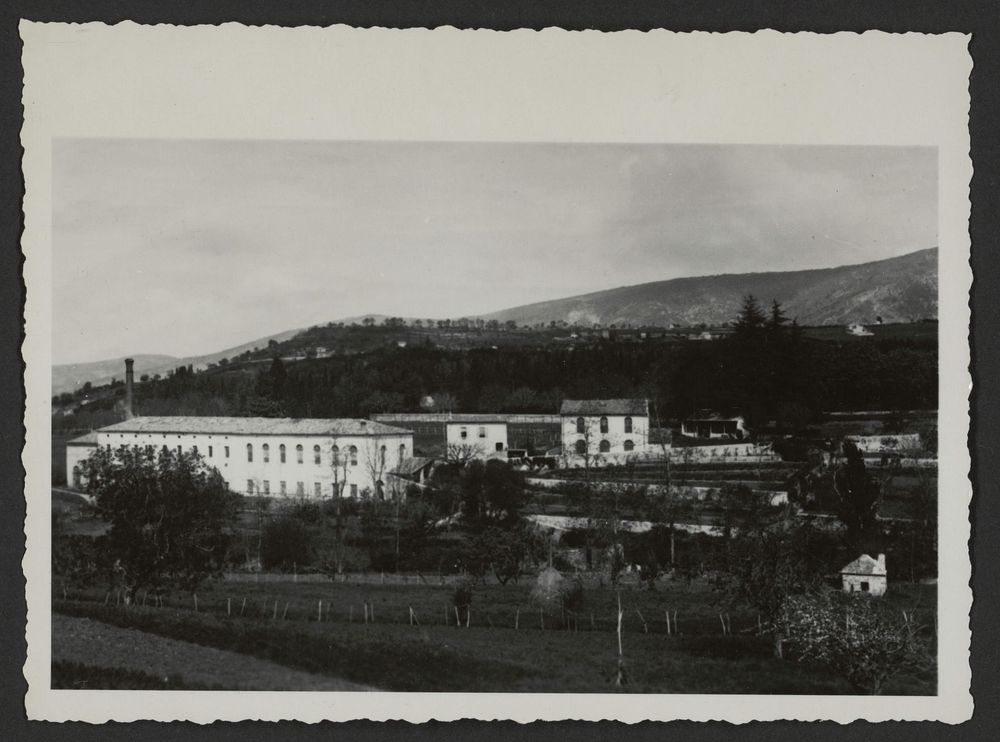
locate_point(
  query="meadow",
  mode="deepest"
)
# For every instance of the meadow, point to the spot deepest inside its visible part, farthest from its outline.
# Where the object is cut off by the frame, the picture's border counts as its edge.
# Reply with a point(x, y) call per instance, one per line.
point(505, 643)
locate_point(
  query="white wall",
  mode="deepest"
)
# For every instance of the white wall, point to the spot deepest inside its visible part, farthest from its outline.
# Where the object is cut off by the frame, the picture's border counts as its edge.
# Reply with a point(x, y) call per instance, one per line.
point(876, 583)
point(616, 435)
point(238, 471)
point(484, 437)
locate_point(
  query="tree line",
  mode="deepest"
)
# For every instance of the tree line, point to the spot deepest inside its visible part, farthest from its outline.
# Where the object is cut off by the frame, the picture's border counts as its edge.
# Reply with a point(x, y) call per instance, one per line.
point(766, 368)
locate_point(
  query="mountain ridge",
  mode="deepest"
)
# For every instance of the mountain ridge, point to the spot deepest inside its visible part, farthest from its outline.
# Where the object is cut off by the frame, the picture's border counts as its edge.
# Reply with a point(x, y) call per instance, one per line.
point(898, 289)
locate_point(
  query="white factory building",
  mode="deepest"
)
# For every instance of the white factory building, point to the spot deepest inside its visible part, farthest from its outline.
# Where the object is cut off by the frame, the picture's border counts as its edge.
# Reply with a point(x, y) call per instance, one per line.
point(604, 426)
point(268, 456)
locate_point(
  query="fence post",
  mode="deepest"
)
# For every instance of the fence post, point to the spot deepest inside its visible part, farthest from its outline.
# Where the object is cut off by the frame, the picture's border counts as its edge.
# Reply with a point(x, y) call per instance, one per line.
point(458, 621)
point(723, 622)
point(275, 615)
point(243, 607)
point(517, 617)
point(229, 606)
point(319, 612)
point(284, 613)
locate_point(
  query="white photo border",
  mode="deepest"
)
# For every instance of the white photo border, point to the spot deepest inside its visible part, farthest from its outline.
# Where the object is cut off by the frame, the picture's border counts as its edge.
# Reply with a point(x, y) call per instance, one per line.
point(238, 82)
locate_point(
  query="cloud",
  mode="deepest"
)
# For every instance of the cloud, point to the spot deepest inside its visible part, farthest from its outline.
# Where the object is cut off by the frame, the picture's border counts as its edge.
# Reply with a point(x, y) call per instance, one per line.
point(209, 243)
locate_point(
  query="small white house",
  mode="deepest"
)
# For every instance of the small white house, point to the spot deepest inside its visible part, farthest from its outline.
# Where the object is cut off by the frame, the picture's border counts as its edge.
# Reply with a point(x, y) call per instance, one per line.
point(474, 438)
point(865, 575)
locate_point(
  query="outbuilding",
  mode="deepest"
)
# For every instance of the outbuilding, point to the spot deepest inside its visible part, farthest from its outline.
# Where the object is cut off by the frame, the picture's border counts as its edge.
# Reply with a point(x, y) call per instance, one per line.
point(865, 575)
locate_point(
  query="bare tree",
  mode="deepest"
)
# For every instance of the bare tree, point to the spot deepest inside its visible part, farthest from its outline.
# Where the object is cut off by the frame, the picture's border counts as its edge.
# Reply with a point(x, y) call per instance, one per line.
point(462, 453)
point(375, 466)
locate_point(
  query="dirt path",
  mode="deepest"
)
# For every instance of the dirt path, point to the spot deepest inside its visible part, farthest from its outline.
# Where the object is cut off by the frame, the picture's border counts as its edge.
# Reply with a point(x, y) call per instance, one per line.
point(102, 645)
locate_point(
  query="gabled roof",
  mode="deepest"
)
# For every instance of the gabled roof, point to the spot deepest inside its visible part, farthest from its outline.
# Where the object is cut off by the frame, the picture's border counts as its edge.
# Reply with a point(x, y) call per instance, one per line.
point(713, 415)
point(412, 465)
point(253, 426)
point(639, 407)
point(864, 565)
point(90, 439)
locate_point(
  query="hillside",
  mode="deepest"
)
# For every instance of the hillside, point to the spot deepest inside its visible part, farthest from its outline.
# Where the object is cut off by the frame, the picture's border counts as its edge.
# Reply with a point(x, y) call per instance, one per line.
point(898, 289)
point(71, 376)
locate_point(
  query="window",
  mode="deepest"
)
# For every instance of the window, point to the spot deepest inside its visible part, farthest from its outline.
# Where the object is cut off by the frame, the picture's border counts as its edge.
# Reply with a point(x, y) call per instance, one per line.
point(482, 431)
point(463, 432)
point(581, 426)
point(499, 445)
point(209, 452)
point(335, 454)
point(281, 453)
point(605, 446)
point(402, 451)
point(250, 452)
point(76, 476)
point(864, 587)
point(194, 450)
point(318, 489)
point(317, 456)
point(179, 450)
point(581, 447)
point(267, 452)
point(604, 425)
point(165, 449)
point(298, 453)
point(226, 451)
point(282, 488)
point(249, 486)
point(381, 455)
point(300, 488)
point(628, 424)
point(267, 486)
point(629, 446)
point(353, 450)
point(354, 490)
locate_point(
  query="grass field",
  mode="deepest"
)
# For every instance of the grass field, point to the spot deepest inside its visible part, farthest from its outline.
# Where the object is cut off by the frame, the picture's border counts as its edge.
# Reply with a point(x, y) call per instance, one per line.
point(284, 623)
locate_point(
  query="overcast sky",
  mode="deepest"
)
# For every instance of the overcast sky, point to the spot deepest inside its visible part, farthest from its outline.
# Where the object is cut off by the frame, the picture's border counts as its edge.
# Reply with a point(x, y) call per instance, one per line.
point(189, 247)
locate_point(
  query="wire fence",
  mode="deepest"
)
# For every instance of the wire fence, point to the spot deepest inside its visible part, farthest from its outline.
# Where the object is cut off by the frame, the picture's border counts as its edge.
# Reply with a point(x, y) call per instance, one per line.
point(530, 616)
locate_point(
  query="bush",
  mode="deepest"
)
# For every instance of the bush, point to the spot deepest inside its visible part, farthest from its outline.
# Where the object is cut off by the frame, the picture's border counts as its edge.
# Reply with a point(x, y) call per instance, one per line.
point(288, 544)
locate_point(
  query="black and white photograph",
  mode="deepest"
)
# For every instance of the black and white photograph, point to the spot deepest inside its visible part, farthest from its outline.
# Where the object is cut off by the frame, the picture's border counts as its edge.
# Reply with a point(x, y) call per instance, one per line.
point(495, 416)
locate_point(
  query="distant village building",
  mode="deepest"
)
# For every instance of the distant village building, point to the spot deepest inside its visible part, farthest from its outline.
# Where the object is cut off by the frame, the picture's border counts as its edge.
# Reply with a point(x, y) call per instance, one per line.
point(604, 426)
point(859, 330)
point(708, 424)
point(266, 456)
point(478, 437)
point(865, 575)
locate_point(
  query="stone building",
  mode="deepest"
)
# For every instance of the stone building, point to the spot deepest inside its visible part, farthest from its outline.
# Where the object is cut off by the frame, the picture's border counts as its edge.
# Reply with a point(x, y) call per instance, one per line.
point(865, 575)
point(604, 426)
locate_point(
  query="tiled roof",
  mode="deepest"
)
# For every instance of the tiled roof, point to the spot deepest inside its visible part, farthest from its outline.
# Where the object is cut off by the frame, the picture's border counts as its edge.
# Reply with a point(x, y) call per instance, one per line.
point(712, 415)
point(412, 465)
point(638, 407)
point(252, 426)
point(90, 439)
point(864, 565)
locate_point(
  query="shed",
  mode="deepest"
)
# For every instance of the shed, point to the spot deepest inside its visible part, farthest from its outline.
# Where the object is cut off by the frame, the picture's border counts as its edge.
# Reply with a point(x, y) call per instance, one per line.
point(865, 575)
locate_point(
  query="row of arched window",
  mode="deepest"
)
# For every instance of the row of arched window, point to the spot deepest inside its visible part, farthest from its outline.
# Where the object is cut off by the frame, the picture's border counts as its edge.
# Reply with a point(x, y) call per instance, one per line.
point(581, 425)
point(604, 446)
point(352, 454)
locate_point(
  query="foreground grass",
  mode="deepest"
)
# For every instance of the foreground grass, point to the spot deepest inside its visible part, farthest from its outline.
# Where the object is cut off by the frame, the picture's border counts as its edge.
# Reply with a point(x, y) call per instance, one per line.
point(77, 676)
point(482, 659)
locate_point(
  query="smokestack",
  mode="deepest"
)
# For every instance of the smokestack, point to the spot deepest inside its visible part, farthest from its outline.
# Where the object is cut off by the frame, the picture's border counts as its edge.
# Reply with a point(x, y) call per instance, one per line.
point(129, 381)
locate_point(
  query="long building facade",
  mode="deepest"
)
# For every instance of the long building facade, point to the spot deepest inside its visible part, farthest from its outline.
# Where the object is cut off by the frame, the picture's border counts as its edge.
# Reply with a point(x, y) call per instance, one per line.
point(267, 456)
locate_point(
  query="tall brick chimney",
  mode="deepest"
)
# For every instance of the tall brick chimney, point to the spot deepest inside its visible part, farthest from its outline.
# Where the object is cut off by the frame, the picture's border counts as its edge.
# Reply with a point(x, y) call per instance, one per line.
point(129, 381)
